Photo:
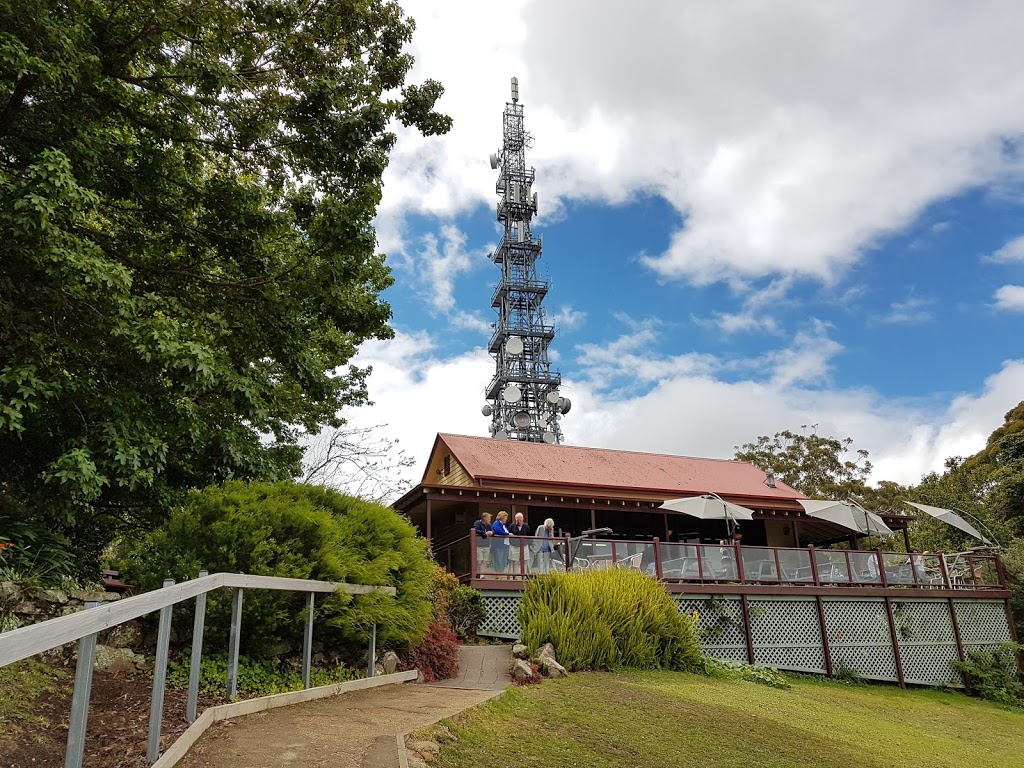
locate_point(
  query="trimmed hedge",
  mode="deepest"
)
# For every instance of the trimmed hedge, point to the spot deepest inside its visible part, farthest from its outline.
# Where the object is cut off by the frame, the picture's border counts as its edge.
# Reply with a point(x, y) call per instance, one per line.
point(608, 619)
point(299, 531)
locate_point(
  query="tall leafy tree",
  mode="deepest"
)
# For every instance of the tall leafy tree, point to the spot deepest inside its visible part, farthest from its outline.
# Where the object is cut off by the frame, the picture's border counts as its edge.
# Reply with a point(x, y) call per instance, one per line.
point(188, 261)
point(819, 467)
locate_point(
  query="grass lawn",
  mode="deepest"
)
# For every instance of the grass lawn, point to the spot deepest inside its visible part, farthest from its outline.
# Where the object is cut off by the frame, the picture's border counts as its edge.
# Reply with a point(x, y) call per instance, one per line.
point(655, 719)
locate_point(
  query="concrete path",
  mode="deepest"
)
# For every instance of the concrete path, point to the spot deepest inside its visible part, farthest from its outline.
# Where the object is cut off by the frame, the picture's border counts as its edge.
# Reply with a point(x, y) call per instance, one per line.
point(353, 730)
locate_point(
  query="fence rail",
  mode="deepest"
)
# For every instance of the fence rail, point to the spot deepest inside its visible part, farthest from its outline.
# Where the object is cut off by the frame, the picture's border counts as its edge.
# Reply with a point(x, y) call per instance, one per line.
point(518, 557)
point(86, 625)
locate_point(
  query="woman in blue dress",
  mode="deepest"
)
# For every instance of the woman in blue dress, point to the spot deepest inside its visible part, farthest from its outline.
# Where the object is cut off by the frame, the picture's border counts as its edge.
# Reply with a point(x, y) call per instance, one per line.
point(499, 542)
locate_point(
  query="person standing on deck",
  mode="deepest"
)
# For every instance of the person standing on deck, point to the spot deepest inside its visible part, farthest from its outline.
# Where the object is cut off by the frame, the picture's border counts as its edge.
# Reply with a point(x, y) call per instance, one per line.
point(545, 547)
point(520, 550)
point(482, 528)
point(499, 545)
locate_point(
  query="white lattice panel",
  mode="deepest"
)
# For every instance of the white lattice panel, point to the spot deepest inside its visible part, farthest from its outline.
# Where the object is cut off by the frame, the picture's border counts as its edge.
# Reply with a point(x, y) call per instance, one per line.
point(982, 623)
point(786, 634)
point(927, 643)
point(500, 616)
point(859, 637)
point(720, 621)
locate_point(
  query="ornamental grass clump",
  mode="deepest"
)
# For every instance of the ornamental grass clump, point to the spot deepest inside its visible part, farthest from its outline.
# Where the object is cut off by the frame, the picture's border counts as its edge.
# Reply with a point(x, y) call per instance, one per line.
point(609, 619)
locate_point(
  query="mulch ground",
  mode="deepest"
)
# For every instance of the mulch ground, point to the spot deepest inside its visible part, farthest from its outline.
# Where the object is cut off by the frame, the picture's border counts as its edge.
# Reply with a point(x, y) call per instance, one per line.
point(117, 730)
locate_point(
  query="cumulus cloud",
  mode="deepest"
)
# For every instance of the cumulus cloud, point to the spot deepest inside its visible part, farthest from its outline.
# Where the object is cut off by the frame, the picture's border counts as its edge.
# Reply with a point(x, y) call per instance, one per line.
point(1011, 253)
point(1010, 298)
point(788, 136)
point(913, 311)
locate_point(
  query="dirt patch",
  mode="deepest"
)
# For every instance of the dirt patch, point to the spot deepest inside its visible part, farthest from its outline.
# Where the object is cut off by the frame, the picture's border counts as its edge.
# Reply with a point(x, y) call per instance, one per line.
point(118, 726)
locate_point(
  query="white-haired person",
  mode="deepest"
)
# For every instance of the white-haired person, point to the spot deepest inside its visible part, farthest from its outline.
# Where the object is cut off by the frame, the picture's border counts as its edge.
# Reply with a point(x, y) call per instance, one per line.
point(544, 549)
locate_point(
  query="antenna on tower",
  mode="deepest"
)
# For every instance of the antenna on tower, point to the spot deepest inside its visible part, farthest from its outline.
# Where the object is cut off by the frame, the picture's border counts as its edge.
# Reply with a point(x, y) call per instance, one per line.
point(523, 398)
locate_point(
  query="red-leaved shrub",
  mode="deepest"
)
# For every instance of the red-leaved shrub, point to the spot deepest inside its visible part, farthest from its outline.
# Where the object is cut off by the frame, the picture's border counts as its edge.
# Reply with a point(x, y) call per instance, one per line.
point(436, 656)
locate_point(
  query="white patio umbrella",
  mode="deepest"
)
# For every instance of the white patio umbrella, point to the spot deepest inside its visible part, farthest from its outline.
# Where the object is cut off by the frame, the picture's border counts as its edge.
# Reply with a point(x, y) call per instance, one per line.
point(710, 506)
point(848, 514)
point(950, 517)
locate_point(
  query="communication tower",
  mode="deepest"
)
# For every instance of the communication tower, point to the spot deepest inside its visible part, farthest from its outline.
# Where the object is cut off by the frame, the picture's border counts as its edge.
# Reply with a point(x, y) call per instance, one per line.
point(523, 400)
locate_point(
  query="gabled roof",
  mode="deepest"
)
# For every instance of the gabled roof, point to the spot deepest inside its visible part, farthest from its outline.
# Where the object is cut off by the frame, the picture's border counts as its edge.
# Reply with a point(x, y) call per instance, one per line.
point(514, 461)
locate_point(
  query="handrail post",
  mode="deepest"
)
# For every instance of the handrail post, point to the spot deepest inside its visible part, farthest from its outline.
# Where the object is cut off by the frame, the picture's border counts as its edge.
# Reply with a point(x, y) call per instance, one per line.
point(657, 559)
point(1000, 573)
point(197, 654)
point(234, 640)
point(522, 557)
point(156, 707)
point(80, 699)
point(881, 567)
point(814, 565)
point(568, 553)
point(945, 575)
point(739, 567)
point(472, 555)
point(371, 665)
point(307, 642)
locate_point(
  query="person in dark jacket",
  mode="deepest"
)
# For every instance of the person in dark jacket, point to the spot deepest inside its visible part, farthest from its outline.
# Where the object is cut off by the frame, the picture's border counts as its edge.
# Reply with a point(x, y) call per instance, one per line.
point(520, 554)
point(482, 528)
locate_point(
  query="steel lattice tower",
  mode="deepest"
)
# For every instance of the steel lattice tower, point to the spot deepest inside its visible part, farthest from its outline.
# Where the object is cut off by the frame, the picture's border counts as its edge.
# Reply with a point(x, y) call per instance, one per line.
point(523, 398)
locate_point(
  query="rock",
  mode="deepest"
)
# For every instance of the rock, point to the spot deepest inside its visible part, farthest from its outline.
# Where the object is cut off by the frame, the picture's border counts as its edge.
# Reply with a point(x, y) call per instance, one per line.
point(424, 747)
point(444, 735)
point(378, 669)
point(414, 762)
point(551, 668)
point(127, 635)
point(9, 591)
point(279, 648)
point(27, 608)
point(53, 596)
point(96, 597)
point(521, 670)
point(117, 660)
point(389, 662)
point(546, 651)
point(520, 651)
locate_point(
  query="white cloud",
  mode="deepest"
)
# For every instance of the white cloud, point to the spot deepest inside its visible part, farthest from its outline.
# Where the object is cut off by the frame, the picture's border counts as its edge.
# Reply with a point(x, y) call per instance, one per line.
point(789, 136)
point(568, 319)
point(913, 311)
point(1011, 253)
point(687, 409)
point(1010, 298)
point(438, 265)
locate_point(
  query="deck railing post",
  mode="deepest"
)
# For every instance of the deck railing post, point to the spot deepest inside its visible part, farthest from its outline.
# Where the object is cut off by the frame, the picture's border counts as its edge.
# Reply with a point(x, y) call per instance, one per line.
point(881, 567)
point(307, 642)
point(234, 641)
point(197, 655)
point(371, 665)
point(473, 574)
point(1000, 573)
point(522, 556)
point(156, 707)
point(657, 558)
point(945, 574)
point(568, 554)
point(80, 698)
point(814, 565)
point(739, 567)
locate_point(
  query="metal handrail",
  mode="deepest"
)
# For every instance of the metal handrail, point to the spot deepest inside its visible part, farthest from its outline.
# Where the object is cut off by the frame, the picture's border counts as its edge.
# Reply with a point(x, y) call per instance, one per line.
point(86, 625)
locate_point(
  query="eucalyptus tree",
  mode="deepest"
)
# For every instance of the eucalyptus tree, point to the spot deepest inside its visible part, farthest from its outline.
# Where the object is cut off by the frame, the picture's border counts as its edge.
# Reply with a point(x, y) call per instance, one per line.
point(187, 189)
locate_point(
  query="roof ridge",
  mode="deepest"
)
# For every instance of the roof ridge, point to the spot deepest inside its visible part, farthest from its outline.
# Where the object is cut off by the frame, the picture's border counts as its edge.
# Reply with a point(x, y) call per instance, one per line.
point(591, 448)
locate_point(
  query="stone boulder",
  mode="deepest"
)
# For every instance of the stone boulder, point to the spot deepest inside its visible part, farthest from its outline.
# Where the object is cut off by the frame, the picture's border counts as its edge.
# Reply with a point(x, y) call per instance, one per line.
point(551, 668)
point(546, 651)
point(520, 651)
point(118, 660)
point(521, 670)
point(390, 662)
point(127, 635)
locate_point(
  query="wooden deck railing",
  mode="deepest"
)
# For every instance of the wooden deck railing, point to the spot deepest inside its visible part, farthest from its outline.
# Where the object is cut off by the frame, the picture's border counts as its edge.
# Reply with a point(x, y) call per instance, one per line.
point(517, 558)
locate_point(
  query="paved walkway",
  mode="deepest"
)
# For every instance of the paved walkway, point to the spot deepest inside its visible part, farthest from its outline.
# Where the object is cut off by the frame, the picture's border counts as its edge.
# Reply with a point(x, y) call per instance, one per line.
point(353, 730)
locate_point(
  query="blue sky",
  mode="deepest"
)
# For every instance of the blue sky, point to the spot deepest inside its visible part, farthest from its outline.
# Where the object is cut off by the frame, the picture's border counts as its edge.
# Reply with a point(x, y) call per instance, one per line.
point(755, 217)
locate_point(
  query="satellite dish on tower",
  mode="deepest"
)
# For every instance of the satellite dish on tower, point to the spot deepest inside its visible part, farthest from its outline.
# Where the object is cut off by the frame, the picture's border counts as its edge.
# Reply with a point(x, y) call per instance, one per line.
point(553, 397)
point(564, 404)
point(521, 419)
point(494, 160)
point(512, 394)
point(514, 345)
point(487, 410)
point(549, 438)
point(501, 434)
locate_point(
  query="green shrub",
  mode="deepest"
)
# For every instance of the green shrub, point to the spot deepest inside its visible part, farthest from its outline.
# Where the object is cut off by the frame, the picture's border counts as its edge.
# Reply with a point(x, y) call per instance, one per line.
point(256, 677)
point(30, 552)
point(298, 531)
point(993, 674)
point(461, 607)
point(750, 672)
point(607, 620)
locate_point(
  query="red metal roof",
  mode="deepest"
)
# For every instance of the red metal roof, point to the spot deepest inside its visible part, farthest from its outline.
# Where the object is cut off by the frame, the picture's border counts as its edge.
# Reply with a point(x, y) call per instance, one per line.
point(517, 461)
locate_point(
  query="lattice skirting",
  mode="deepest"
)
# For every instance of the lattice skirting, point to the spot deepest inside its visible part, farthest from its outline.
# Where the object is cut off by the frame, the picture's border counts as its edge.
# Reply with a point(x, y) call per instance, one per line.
point(786, 632)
